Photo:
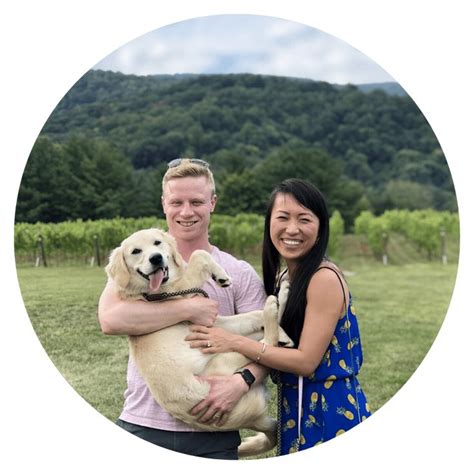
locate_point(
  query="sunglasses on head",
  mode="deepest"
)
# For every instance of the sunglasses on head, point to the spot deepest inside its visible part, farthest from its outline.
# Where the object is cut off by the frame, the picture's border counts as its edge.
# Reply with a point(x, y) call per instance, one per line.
point(178, 161)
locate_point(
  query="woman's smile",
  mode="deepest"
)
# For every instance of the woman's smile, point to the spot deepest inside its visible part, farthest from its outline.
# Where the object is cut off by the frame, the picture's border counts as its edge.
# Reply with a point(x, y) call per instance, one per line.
point(291, 243)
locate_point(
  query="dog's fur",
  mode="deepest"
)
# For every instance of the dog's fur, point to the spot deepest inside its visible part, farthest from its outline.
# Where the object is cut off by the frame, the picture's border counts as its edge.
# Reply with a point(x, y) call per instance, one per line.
point(165, 360)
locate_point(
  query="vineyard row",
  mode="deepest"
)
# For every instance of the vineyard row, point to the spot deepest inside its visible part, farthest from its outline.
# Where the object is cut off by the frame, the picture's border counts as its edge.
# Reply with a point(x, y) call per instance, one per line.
point(238, 234)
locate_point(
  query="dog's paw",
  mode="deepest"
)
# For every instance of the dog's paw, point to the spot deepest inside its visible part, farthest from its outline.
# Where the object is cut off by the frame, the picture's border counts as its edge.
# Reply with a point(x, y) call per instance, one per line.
point(270, 321)
point(283, 339)
point(222, 280)
point(271, 307)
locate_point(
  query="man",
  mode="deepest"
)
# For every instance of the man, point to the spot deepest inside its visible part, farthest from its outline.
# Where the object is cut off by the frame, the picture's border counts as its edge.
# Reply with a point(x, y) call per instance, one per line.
point(188, 200)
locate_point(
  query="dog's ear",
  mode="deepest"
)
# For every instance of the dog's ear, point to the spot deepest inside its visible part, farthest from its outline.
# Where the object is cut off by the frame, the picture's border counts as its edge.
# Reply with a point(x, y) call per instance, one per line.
point(117, 269)
point(177, 258)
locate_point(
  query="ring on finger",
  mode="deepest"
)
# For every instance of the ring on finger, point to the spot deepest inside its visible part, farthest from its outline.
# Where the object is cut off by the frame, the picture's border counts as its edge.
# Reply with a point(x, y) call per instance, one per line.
point(209, 344)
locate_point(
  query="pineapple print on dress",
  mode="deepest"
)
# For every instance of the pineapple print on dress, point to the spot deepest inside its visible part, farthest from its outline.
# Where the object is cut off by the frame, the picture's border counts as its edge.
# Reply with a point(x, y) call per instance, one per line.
point(332, 400)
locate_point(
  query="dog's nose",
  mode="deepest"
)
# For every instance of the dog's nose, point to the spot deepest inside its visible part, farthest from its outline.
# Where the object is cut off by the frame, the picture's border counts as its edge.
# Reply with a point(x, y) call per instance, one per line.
point(156, 259)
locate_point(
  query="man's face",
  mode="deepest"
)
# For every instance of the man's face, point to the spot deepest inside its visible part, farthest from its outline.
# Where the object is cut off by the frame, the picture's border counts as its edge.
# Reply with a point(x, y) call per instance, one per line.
point(188, 203)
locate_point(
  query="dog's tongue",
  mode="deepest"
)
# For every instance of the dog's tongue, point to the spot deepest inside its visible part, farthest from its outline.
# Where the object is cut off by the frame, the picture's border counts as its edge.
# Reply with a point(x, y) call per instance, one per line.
point(155, 280)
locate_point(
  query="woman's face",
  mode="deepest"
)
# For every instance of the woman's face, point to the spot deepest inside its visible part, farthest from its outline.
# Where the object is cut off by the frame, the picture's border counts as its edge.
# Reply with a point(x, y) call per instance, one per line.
point(293, 228)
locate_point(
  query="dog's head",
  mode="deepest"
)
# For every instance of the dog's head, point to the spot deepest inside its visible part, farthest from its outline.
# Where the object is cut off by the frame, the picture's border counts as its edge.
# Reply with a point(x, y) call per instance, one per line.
point(144, 262)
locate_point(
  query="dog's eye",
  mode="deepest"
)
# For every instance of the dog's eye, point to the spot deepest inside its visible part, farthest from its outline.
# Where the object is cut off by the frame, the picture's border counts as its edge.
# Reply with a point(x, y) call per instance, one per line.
point(136, 251)
point(156, 242)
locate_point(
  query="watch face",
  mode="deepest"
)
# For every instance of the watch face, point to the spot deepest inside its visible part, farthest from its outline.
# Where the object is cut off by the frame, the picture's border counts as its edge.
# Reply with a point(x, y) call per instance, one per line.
point(248, 376)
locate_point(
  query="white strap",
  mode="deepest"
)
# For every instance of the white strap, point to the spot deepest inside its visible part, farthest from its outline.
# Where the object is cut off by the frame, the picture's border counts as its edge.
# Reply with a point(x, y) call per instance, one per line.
point(300, 403)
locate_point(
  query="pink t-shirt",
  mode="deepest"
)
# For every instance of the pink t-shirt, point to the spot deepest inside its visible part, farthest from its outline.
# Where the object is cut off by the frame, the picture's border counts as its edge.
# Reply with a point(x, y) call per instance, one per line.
point(245, 294)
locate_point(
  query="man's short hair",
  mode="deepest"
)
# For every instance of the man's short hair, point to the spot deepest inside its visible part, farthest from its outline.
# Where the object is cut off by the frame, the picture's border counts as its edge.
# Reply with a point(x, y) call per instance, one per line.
point(189, 168)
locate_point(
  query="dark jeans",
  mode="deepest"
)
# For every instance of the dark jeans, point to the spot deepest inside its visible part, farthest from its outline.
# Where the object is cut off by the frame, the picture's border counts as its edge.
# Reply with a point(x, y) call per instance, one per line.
point(206, 444)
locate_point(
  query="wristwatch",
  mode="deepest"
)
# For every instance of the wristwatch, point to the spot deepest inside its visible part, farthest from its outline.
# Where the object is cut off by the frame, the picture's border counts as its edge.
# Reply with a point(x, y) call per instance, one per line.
point(246, 375)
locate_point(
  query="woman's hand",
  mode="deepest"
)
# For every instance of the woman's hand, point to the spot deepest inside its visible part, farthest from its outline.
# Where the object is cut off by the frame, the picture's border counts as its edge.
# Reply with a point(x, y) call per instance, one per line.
point(211, 340)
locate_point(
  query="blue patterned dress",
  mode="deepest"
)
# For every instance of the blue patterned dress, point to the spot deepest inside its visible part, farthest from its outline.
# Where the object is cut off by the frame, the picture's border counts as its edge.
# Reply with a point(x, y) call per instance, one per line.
point(332, 400)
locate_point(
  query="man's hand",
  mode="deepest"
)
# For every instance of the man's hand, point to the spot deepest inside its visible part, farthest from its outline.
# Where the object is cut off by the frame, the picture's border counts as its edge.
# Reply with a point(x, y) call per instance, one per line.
point(223, 395)
point(202, 311)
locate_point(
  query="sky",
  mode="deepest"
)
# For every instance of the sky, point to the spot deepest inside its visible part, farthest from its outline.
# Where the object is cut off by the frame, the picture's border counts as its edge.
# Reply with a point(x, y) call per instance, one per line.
point(245, 44)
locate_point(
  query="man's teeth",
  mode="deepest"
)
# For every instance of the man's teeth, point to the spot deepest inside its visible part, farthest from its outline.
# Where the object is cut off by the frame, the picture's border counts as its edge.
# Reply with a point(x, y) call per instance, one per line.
point(187, 224)
point(291, 242)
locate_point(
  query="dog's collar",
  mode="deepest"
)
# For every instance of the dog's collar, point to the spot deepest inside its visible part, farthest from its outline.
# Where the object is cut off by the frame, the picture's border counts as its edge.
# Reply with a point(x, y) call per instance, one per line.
point(165, 296)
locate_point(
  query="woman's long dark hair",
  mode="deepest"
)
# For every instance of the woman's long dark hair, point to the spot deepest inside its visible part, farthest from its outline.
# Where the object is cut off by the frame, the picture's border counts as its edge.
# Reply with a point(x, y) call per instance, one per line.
point(310, 198)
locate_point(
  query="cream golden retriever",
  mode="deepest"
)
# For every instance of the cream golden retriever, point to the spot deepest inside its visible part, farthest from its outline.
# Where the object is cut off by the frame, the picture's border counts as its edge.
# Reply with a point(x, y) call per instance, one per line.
point(147, 262)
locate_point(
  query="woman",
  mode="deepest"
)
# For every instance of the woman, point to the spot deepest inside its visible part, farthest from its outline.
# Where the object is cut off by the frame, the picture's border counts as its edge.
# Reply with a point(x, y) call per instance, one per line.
point(319, 395)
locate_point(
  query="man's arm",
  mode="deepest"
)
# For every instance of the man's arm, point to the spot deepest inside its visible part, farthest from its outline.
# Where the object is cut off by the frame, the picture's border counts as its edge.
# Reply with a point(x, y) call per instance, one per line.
point(251, 295)
point(125, 317)
point(226, 391)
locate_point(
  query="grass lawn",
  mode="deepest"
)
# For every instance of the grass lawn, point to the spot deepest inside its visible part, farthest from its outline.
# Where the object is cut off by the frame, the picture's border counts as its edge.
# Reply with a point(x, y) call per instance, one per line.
point(400, 310)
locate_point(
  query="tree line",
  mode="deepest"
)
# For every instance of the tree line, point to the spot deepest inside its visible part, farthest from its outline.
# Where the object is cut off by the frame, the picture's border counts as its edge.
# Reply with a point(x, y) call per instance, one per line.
point(103, 151)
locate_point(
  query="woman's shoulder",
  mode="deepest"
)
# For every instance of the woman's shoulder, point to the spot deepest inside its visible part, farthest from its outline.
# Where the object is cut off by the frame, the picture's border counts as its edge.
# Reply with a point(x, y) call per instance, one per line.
point(328, 270)
point(326, 277)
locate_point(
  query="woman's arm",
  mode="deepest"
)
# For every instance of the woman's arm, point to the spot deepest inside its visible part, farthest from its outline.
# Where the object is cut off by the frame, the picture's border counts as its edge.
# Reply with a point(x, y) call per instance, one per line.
point(134, 318)
point(325, 303)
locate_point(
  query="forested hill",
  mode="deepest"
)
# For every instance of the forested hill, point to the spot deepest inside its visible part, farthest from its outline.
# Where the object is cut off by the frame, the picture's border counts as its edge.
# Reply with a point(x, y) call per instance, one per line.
point(366, 149)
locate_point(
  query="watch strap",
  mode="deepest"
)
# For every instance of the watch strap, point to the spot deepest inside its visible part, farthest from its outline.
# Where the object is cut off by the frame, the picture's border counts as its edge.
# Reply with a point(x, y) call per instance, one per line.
point(248, 377)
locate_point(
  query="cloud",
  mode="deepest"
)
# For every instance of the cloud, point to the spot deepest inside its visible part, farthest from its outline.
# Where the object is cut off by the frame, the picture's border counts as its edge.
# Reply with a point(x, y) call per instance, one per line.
point(245, 43)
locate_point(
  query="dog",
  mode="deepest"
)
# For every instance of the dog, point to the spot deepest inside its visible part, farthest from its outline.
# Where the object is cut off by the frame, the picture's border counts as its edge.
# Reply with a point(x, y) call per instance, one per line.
point(147, 262)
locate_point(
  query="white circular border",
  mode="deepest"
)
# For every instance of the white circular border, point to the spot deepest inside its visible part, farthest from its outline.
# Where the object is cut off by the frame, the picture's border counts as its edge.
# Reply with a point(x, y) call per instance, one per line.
point(424, 46)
